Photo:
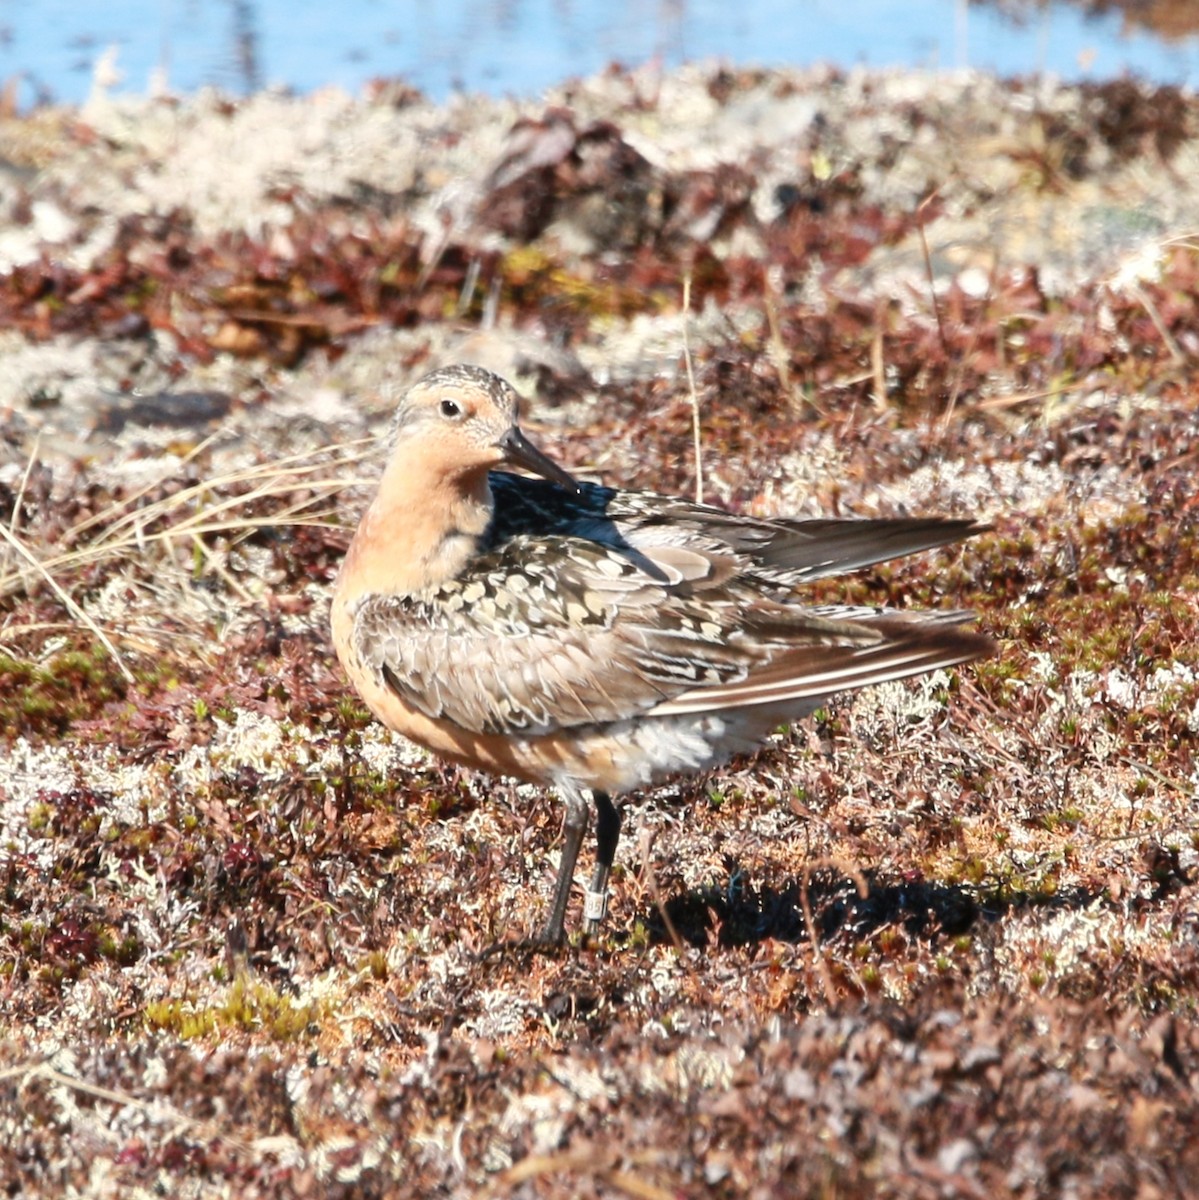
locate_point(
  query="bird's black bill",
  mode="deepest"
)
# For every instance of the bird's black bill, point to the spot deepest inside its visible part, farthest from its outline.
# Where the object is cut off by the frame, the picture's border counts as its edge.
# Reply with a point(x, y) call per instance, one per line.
point(521, 452)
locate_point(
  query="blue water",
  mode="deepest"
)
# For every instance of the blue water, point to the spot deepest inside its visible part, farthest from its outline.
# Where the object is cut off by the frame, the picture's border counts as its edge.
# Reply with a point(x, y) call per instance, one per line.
point(523, 46)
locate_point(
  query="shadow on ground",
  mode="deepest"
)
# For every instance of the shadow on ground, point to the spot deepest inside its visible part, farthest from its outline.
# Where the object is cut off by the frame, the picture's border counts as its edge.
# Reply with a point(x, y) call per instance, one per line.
point(740, 914)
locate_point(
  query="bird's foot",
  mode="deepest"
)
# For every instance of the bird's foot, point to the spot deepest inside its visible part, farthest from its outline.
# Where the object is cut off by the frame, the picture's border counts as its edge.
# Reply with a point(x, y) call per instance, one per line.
point(547, 941)
point(551, 939)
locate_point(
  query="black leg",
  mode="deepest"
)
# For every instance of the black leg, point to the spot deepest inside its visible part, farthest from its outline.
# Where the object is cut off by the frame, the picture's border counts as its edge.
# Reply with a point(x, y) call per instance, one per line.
point(607, 834)
point(578, 812)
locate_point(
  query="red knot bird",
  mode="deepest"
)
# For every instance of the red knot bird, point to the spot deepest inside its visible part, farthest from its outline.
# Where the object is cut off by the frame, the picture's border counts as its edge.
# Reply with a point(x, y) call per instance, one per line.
point(596, 640)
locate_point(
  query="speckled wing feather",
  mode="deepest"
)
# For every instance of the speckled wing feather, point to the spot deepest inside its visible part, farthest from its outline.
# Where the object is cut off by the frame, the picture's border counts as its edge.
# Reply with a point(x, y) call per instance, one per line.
point(786, 551)
point(513, 644)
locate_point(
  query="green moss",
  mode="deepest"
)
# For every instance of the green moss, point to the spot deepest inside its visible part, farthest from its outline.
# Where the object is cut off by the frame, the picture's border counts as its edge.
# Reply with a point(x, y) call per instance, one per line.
point(639, 938)
point(890, 941)
point(122, 951)
point(140, 841)
point(41, 820)
point(1068, 817)
point(375, 965)
point(353, 714)
point(532, 277)
point(974, 869)
point(50, 696)
point(180, 1018)
point(249, 1005)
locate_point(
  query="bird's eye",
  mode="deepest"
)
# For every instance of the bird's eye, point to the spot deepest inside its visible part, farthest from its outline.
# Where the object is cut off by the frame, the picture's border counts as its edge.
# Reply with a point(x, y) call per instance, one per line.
point(450, 409)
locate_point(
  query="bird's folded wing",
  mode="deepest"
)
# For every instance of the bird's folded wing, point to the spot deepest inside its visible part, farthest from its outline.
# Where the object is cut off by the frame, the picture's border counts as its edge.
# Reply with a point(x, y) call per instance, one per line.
point(789, 550)
point(550, 633)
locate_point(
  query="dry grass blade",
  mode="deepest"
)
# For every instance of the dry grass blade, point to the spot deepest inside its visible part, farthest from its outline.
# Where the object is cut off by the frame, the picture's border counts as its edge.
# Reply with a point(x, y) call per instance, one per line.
point(11, 541)
point(1188, 241)
point(1017, 398)
point(14, 524)
point(72, 607)
point(291, 469)
point(928, 271)
point(105, 514)
point(592, 1161)
point(1159, 324)
point(129, 528)
point(695, 433)
point(859, 879)
point(537, 1165)
point(188, 512)
point(878, 362)
point(145, 640)
point(775, 345)
point(226, 578)
point(651, 881)
point(959, 369)
point(156, 1109)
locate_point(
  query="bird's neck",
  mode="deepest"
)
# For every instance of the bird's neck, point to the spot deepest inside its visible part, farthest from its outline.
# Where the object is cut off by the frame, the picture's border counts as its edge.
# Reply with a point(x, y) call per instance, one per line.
point(422, 528)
